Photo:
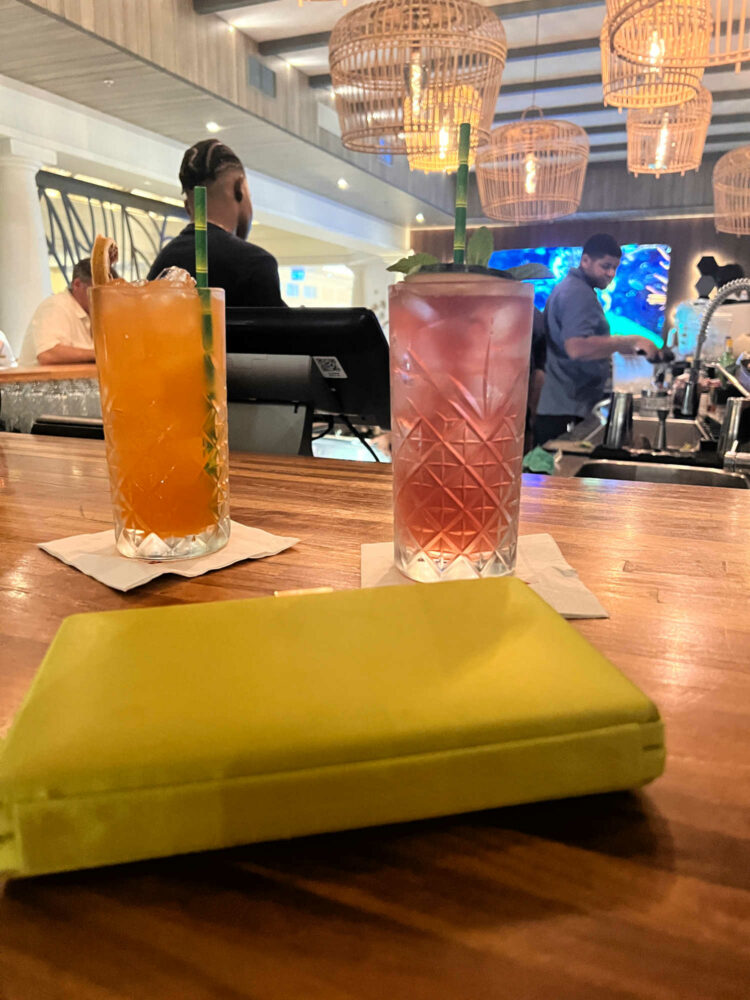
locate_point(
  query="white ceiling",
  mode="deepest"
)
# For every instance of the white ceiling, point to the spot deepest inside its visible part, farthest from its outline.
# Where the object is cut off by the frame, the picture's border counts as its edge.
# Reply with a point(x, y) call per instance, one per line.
point(281, 18)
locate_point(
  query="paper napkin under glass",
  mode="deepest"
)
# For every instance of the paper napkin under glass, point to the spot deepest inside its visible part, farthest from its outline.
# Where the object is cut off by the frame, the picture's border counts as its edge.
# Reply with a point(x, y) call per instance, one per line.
point(96, 556)
point(539, 563)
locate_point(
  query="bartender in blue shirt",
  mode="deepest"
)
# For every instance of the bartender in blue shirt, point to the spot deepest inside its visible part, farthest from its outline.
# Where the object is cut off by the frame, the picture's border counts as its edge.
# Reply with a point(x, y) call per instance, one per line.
point(579, 345)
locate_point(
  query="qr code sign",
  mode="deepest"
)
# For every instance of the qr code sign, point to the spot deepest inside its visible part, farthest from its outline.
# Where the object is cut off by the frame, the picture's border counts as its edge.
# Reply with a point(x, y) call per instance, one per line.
point(330, 367)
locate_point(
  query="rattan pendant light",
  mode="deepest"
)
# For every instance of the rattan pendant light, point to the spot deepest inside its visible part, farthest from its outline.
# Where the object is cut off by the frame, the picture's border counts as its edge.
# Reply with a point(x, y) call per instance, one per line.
point(729, 43)
point(661, 34)
point(732, 192)
point(636, 85)
point(532, 170)
point(669, 140)
point(430, 135)
point(405, 71)
point(730, 39)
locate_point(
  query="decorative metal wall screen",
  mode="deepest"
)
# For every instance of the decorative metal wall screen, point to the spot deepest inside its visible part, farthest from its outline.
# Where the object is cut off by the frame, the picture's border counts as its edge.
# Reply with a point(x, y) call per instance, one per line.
point(75, 211)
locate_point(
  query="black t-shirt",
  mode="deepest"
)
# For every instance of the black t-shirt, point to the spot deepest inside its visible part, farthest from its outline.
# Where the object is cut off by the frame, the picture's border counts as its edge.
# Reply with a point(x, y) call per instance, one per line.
point(248, 274)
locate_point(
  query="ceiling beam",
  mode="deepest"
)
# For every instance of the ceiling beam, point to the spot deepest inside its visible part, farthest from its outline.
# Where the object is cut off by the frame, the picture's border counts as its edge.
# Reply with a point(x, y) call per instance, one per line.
point(219, 6)
point(518, 8)
point(588, 80)
point(323, 80)
point(527, 8)
point(622, 125)
point(558, 83)
point(296, 43)
point(711, 142)
point(583, 109)
point(573, 46)
point(299, 43)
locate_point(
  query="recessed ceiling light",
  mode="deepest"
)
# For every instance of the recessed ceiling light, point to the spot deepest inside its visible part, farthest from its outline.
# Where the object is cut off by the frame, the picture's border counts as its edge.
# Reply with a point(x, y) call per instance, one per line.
point(342, 183)
point(213, 127)
point(419, 217)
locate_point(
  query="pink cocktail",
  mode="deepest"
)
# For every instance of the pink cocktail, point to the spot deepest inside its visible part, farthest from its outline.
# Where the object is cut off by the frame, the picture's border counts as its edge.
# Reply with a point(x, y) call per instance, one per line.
point(460, 346)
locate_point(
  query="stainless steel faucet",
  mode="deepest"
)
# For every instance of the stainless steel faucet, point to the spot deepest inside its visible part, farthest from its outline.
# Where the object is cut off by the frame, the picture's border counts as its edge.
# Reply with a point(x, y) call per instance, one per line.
point(690, 399)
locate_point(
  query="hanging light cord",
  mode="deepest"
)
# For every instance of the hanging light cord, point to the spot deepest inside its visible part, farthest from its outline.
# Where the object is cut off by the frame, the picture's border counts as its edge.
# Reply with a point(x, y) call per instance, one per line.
point(536, 60)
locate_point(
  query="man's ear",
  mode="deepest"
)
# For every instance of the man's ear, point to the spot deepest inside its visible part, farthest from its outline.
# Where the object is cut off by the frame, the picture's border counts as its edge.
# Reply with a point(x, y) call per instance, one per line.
point(238, 190)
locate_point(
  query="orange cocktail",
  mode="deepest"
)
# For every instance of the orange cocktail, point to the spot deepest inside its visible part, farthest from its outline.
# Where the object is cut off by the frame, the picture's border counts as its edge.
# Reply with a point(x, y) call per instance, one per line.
point(162, 373)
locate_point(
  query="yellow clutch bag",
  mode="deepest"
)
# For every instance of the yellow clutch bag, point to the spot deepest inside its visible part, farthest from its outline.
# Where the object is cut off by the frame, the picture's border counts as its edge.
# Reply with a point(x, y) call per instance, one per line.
point(161, 731)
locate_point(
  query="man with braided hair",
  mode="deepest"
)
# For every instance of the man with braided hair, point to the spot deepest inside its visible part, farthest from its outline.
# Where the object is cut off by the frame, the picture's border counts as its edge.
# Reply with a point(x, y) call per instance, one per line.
point(248, 274)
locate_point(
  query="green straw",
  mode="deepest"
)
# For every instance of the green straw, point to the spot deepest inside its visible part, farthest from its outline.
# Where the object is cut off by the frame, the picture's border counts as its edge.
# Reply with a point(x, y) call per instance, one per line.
point(201, 238)
point(210, 443)
point(201, 272)
point(462, 184)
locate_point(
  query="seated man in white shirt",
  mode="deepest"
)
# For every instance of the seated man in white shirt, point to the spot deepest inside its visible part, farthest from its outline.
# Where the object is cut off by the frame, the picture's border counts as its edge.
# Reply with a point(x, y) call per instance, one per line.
point(60, 330)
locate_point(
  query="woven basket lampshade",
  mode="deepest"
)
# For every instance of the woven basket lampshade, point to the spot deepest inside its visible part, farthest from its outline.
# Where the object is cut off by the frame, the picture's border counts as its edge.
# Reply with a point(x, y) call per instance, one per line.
point(669, 140)
point(730, 36)
point(732, 192)
point(635, 85)
point(430, 135)
point(428, 55)
point(661, 34)
point(532, 170)
point(730, 39)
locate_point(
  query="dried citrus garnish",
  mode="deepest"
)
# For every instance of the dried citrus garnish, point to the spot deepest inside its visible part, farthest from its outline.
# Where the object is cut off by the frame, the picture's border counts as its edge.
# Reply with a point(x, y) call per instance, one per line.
point(103, 257)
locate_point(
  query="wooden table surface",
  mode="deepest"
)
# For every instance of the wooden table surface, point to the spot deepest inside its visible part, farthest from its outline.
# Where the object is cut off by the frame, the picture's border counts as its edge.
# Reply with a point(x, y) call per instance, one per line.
point(46, 373)
point(642, 895)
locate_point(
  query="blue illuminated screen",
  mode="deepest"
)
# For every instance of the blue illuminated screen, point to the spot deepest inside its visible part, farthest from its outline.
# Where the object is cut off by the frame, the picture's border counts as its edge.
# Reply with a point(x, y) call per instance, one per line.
point(634, 302)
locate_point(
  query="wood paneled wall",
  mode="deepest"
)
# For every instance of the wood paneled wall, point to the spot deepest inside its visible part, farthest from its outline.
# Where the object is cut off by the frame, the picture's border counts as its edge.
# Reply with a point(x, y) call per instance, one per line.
point(689, 239)
point(201, 49)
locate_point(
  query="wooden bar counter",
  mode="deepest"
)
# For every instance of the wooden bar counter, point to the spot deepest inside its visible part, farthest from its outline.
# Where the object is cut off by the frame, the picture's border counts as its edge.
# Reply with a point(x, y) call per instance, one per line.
point(642, 895)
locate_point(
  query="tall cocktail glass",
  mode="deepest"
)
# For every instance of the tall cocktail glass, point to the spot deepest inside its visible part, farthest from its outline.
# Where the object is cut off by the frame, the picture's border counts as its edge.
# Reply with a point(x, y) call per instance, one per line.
point(460, 344)
point(162, 376)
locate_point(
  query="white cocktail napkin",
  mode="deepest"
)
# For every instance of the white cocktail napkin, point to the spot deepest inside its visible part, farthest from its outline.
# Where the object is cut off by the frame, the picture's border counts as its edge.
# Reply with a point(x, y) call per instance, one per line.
point(539, 563)
point(96, 556)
